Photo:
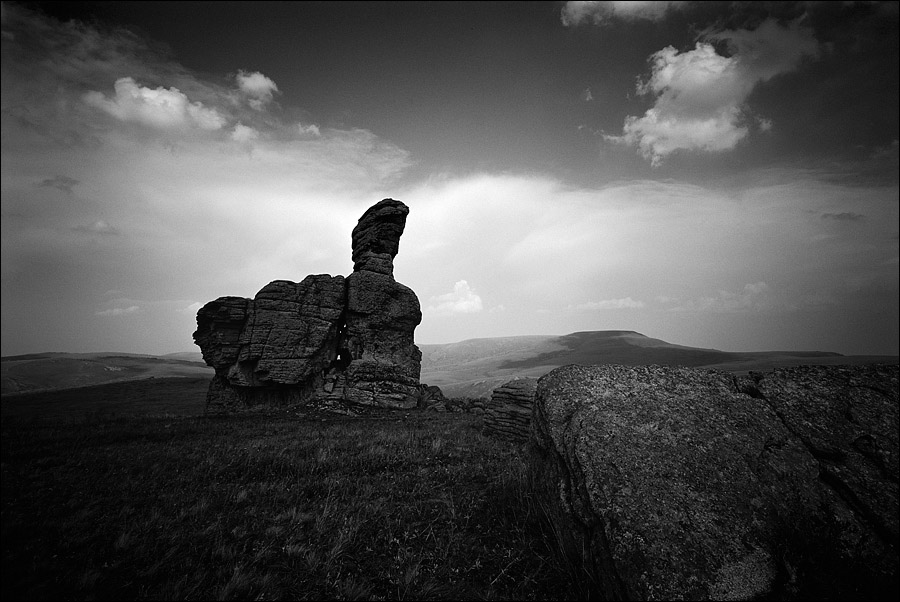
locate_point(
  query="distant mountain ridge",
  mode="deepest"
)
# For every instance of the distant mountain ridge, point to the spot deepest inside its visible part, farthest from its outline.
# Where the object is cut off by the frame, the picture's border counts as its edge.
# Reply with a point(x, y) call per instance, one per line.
point(469, 368)
point(473, 368)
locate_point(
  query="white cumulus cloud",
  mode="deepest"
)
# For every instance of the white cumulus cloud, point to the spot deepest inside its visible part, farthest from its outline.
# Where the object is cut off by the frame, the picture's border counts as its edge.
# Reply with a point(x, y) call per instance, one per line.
point(243, 133)
point(161, 108)
point(308, 130)
point(463, 300)
point(258, 87)
point(700, 95)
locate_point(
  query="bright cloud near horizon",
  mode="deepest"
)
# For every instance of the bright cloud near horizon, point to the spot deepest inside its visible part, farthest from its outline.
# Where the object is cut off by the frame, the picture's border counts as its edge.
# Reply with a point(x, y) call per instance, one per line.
point(719, 175)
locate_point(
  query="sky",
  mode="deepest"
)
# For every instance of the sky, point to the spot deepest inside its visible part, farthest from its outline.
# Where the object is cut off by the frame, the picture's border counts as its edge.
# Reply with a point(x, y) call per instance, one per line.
point(714, 174)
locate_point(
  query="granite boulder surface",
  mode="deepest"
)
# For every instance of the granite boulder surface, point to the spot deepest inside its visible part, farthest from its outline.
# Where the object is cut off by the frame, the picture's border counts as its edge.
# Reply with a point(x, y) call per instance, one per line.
point(669, 483)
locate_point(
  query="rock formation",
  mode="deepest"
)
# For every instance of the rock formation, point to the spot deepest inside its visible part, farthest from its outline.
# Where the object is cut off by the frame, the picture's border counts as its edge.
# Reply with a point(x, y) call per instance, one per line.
point(676, 483)
point(432, 398)
point(508, 415)
point(328, 337)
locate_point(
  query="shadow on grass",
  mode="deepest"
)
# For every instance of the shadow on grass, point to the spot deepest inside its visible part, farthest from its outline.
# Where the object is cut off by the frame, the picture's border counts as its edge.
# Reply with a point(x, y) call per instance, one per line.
point(411, 507)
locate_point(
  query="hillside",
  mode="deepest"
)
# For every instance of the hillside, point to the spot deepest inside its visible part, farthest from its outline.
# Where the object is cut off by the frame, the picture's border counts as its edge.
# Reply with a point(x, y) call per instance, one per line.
point(53, 371)
point(473, 368)
point(470, 368)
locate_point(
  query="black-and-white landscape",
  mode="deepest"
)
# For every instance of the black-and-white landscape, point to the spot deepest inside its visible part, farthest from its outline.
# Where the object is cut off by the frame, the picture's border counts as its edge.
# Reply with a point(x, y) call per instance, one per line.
point(450, 301)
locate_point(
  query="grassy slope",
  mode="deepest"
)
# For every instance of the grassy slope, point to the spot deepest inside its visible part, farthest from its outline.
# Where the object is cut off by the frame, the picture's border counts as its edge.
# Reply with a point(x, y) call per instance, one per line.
point(154, 396)
point(49, 371)
point(472, 368)
point(149, 505)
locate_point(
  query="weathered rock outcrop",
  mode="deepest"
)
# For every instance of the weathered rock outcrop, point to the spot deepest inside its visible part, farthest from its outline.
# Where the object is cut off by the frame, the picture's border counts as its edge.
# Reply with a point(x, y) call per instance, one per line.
point(271, 349)
point(508, 414)
point(675, 483)
point(382, 316)
point(432, 398)
point(376, 238)
point(329, 337)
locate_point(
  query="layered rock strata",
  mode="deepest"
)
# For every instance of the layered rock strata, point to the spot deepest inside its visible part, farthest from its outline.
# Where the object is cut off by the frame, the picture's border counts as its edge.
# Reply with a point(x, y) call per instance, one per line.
point(508, 414)
point(675, 483)
point(327, 337)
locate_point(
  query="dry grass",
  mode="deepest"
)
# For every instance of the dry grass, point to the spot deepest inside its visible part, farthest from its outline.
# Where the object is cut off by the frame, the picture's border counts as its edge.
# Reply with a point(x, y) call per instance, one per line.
point(407, 507)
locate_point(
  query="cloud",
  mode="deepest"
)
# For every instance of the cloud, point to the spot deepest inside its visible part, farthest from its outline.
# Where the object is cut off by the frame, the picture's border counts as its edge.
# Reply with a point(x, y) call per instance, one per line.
point(700, 95)
point(160, 108)
point(463, 300)
point(98, 227)
point(191, 309)
point(54, 75)
point(308, 130)
point(847, 216)
point(205, 219)
point(600, 13)
point(243, 133)
point(626, 303)
point(257, 86)
point(119, 311)
point(125, 305)
point(203, 216)
point(63, 183)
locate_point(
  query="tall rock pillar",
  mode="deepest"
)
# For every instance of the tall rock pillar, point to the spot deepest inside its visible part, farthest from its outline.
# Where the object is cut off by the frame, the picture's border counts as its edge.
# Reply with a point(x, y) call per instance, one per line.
point(327, 337)
point(382, 314)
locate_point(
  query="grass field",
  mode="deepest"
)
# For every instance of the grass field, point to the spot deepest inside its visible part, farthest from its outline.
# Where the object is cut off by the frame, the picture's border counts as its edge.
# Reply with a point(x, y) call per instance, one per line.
point(127, 498)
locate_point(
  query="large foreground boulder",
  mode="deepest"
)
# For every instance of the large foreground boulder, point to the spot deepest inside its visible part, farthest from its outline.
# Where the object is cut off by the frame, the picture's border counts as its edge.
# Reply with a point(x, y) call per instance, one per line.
point(328, 337)
point(680, 484)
